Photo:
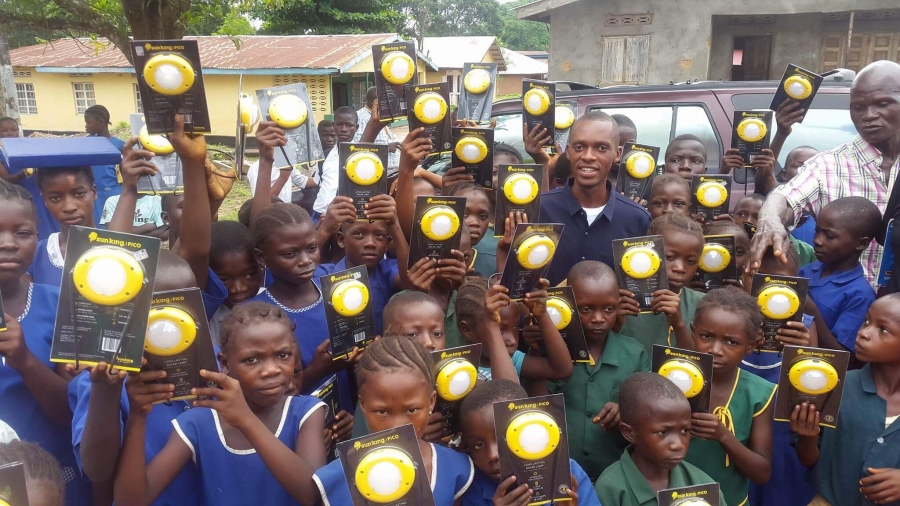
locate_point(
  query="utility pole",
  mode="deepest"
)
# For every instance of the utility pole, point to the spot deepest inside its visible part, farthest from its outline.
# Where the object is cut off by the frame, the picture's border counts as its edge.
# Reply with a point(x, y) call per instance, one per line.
point(8, 104)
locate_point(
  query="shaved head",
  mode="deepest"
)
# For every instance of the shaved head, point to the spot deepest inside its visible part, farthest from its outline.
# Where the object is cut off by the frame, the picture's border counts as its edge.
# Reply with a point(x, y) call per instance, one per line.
point(875, 104)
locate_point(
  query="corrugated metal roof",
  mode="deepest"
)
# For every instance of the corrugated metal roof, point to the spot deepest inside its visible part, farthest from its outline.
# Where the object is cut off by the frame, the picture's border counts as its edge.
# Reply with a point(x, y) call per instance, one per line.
point(453, 52)
point(519, 64)
point(216, 52)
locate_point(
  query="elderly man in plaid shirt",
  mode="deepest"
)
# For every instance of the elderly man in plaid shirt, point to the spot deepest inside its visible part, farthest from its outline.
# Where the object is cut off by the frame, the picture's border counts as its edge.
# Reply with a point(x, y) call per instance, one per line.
point(866, 167)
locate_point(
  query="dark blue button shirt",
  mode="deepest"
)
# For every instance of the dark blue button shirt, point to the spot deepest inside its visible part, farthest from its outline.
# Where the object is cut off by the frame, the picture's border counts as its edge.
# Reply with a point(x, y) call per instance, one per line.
point(843, 299)
point(620, 219)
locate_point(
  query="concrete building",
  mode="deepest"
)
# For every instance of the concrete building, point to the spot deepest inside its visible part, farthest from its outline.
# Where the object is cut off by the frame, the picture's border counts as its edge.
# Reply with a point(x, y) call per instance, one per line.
point(518, 67)
point(614, 42)
point(450, 53)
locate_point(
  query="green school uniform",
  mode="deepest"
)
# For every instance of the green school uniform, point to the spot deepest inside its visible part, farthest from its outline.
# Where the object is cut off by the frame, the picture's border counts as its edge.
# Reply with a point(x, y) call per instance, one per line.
point(587, 391)
point(622, 484)
point(650, 329)
point(806, 252)
point(486, 261)
point(750, 396)
point(451, 323)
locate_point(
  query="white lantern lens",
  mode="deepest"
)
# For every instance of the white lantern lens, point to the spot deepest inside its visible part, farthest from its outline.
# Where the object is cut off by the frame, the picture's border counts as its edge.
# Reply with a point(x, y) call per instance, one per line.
point(365, 169)
point(642, 165)
point(441, 226)
point(384, 478)
point(106, 277)
point(290, 109)
point(555, 315)
point(779, 304)
point(641, 263)
point(399, 68)
point(534, 102)
point(522, 189)
point(538, 255)
point(168, 77)
point(460, 383)
point(534, 438)
point(353, 299)
point(751, 131)
point(164, 334)
point(713, 260)
point(712, 194)
point(796, 89)
point(431, 109)
point(813, 381)
point(470, 152)
point(681, 379)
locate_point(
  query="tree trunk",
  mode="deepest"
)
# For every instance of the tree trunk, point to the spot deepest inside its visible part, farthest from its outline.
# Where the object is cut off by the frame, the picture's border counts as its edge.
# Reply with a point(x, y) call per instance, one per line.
point(8, 105)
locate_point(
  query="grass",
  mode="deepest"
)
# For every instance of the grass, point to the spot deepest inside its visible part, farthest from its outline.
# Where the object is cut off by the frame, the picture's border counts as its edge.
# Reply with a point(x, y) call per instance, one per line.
point(239, 194)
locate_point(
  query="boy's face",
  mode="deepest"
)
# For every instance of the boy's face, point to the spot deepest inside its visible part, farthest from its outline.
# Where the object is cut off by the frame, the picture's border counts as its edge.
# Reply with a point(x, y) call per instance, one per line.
point(722, 334)
point(661, 437)
point(686, 158)
point(70, 198)
point(509, 327)
point(345, 126)
point(670, 198)
point(878, 341)
point(478, 214)
point(795, 160)
point(747, 211)
point(328, 137)
point(834, 241)
point(9, 129)
point(240, 273)
point(593, 148)
point(480, 441)
point(597, 303)
point(424, 321)
point(682, 257)
point(171, 215)
point(94, 125)
point(364, 242)
point(291, 253)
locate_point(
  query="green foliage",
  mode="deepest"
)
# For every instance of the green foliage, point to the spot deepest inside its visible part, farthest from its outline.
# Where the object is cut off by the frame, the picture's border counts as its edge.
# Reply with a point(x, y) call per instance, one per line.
point(121, 130)
point(235, 24)
point(519, 34)
point(329, 16)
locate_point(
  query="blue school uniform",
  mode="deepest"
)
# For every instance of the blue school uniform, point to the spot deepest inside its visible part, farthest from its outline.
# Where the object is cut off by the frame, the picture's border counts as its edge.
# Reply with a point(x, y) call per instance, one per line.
point(107, 182)
point(381, 284)
point(46, 267)
point(46, 223)
point(20, 409)
point(310, 329)
point(785, 486)
point(239, 477)
point(482, 491)
point(805, 231)
point(451, 477)
point(843, 299)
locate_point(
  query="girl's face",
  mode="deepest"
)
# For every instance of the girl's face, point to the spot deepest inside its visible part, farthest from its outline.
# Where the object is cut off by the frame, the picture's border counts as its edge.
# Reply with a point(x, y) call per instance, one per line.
point(291, 253)
point(240, 273)
point(70, 198)
point(261, 357)
point(18, 239)
point(878, 340)
point(683, 251)
point(397, 397)
point(478, 214)
point(722, 334)
point(509, 328)
point(671, 198)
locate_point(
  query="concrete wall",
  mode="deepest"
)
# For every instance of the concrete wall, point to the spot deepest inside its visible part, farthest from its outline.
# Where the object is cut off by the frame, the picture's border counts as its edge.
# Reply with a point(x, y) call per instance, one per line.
point(681, 33)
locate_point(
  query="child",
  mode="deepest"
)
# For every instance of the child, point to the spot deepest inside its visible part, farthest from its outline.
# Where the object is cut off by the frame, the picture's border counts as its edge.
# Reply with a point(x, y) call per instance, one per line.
point(859, 461)
point(232, 262)
point(627, 129)
point(9, 128)
point(172, 206)
point(247, 442)
point(327, 135)
point(838, 291)
point(476, 418)
point(733, 444)
point(741, 244)
point(673, 308)
point(670, 193)
point(416, 314)
point(486, 261)
point(148, 216)
point(562, 171)
point(43, 478)
point(478, 210)
point(795, 159)
point(747, 211)
point(96, 124)
point(32, 388)
point(395, 377)
point(685, 156)
point(592, 392)
point(656, 420)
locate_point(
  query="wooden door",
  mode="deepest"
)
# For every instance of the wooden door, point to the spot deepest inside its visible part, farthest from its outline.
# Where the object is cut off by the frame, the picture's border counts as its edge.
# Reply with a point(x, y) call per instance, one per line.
point(757, 55)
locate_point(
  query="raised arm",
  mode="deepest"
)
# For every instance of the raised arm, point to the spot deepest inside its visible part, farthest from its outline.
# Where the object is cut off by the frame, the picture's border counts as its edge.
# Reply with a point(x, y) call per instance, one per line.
point(268, 137)
point(501, 363)
point(413, 149)
point(135, 163)
point(558, 363)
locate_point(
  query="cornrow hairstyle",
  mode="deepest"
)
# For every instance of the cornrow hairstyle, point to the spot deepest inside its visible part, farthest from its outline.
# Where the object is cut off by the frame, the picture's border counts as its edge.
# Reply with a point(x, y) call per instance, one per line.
point(230, 237)
point(459, 188)
point(678, 222)
point(395, 353)
point(507, 149)
point(685, 138)
point(249, 313)
point(859, 215)
point(641, 390)
point(244, 211)
point(276, 217)
point(486, 393)
point(405, 299)
point(43, 175)
point(733, 300)
point(41, 468)
point(470, 301)
point(10, 192)
point(665, 180)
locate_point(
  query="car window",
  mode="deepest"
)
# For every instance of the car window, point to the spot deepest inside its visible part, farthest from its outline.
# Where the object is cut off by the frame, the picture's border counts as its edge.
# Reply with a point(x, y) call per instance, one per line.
point(826, 125)
point(654, 124)
point(693, 119)
point(509, 130)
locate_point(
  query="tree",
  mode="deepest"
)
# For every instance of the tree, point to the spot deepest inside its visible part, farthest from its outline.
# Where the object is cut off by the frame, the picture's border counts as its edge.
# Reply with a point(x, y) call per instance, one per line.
point(519, 34)
point(235, 24)
point(444, 18)
point(329, 16)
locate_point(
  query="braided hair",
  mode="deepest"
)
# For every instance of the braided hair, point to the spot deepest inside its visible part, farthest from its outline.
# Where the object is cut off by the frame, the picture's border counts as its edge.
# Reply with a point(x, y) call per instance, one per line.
point(41, 468)
point(502, 148)
point(734, 300)
point(396, 353)
point(459, 188)
point(275, 217)
point(10, 192)
point(249, 313)
point(679, 222)
point(470, 301)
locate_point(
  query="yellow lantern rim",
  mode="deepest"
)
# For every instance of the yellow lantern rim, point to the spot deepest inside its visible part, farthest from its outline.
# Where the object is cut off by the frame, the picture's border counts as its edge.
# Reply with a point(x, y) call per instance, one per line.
point(563, 117)
point(387, 65)
point(467, 141)
point(477, 81)
point(181, 319)
point(629, 257)
point(543, 100)
point(340, 292)
point(523, 425)
point(561, 307)
point(156, 143)
point(631, 163)
point(693, 373)
point(373, 461)
point(181, 64)
point(517, 181)
point(799, 369)
point(132, 269)
point(703, 199)
point(529, 245)
point(420, 103)
point(435, 213)
point(353, 162)
point(722, 251)
point(277, 111)
point(768, 293)
point(790, 86)
point(746, 136)
point(249, 111)
point(451, 371)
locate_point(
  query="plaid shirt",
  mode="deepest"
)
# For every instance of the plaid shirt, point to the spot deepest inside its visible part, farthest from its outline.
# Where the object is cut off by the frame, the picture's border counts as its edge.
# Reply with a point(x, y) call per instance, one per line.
point(851, 169)
point(385, 136)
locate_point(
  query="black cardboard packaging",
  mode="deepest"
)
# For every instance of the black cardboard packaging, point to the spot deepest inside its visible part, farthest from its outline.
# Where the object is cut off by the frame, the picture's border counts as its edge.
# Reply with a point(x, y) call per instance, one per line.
point(289, 107)
point(396, 448)
point(348, 310)
point(170, 81)
point(781, 299)
point(539, 106)
point(710, 195)
point(518, 189)
point(329, 394)
point(695, 495)
point(456, 372)
point(750, 229)
point(530, 257)
point(363, 172)
point(565, 114)
point(751, 133)
point(690, 370)
point(718, 261)
point(429, 108)
point(641, 267)
point(13, 490)
point(169, 177)
point(436, 227)
point(799, 85)
point(473, 148)
point(117, 271)
point(545, 470)
point(395, 66)
point(477, 94)
point(3, 327)
point(178, 341)
point(637, 170)
point(563, 310)
point(815, 376)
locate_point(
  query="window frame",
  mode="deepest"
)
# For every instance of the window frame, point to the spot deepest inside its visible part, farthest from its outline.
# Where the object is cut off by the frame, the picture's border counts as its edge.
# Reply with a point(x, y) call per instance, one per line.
point(26, 108)
point(138, 101)
point(75, 91)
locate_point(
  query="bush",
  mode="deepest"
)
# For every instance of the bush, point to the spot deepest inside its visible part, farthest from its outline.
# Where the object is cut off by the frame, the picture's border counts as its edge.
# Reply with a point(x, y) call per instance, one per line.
point(122, 130)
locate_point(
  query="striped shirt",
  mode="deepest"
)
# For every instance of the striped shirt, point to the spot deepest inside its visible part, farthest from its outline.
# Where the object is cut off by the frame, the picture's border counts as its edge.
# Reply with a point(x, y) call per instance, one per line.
point(385, 136)
point(852, 169)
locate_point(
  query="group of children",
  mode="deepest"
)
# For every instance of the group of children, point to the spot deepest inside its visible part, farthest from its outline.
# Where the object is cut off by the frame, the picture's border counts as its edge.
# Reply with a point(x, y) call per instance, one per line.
point(98, 435)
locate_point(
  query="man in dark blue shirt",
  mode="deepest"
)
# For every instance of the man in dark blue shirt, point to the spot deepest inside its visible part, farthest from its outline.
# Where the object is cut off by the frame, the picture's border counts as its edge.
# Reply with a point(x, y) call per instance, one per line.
point(592, 211)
